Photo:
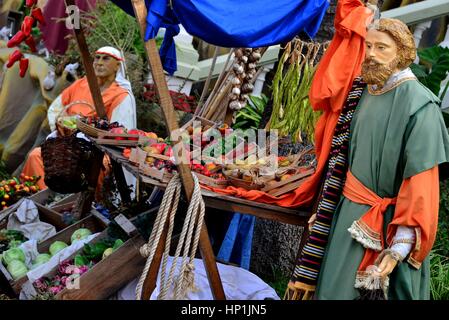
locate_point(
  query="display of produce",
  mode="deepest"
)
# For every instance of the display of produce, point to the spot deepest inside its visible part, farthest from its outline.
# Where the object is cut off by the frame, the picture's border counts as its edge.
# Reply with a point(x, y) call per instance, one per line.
point(71, 269)
point(14, 189)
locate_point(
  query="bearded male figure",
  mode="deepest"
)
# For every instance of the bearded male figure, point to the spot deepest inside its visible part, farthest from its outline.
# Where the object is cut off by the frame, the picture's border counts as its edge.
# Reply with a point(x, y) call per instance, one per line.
point(386, 221)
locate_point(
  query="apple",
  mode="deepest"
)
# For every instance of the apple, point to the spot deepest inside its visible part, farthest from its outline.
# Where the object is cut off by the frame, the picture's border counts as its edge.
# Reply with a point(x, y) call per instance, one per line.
point(168, 151)
point(211, 166)
point(285, 177)
point(151, 135)
point(153, 150)
point(159, 146)
point(150, 160)
point(118, 131)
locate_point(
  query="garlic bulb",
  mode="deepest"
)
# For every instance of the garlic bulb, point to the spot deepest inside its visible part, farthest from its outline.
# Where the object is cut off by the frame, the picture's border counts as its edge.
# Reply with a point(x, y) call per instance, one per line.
point(236, 81)
point(234, 96)
point(252, 66)
point(235, 105)
point(239, 53)
point(244, 59)
point(247, 88)
point(236, 91)
point(256, 55)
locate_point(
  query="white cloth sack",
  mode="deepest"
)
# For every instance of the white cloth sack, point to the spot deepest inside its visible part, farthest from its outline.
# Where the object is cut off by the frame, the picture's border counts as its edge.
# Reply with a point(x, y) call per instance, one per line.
point(238, 284)
point(26, 219)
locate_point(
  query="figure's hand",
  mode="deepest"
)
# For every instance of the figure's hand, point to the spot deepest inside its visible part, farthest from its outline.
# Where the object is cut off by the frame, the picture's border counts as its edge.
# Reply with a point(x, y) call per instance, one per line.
point(386, 266)
point(311, 221)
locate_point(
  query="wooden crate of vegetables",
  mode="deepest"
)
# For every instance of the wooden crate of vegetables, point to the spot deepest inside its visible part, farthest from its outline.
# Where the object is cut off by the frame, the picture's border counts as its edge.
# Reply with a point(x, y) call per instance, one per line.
point(50, 198)
point(47, 249)
point(101, 268)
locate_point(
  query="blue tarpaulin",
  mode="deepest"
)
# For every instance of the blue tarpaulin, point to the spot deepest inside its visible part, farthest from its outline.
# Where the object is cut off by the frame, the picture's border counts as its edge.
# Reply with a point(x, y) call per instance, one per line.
point(230, 23)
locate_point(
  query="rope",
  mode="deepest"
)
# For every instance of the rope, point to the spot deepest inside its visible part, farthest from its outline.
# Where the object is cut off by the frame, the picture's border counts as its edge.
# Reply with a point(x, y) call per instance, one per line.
point(148, 250)
point(191, 228)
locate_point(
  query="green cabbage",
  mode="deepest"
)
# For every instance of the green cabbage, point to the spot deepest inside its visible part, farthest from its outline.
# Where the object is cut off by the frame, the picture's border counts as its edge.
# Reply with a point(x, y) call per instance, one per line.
point(80, 234)
point(117, 244)
point(56, 247)
point(17, 269)
point(13, 254)
point(41, 259)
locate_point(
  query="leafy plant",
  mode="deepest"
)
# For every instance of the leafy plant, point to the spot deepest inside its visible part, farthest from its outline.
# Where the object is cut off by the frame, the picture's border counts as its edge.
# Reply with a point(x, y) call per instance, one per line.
point(439, 257)
point(439, 276)
point(433, 68)
point(250, 116)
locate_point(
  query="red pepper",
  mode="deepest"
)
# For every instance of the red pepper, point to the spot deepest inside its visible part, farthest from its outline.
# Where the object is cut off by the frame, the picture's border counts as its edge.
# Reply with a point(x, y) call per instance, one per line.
point(30, 43)
point(27, 25)
point(23, 67)
point(16, 40)
point(30, 3)
point(37, 14)
point(14, 57)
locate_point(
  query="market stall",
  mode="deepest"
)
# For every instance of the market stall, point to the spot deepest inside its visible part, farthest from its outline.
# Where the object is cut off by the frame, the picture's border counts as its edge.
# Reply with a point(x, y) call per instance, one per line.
point(264, 193)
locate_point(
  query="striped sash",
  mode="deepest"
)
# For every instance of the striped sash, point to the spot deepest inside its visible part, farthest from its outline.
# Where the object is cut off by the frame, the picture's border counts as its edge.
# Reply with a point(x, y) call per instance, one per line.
point(305, 276)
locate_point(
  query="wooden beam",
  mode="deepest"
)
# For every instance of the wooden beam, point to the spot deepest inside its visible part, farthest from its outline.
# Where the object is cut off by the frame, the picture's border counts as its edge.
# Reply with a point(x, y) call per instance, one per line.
point(88, 66)
point(160, 83)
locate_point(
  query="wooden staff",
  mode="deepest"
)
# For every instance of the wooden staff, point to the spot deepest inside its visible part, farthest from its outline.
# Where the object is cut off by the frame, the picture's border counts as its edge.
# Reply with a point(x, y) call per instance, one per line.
point(207, 254)
point(88, 66)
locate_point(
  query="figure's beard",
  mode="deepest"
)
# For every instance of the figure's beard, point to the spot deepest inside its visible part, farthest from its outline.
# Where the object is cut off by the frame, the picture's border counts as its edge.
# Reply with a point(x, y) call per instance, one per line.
point(377, 73)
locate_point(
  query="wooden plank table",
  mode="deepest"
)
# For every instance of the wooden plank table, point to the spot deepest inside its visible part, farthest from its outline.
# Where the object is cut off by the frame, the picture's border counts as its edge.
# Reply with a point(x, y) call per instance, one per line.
point(221, 201)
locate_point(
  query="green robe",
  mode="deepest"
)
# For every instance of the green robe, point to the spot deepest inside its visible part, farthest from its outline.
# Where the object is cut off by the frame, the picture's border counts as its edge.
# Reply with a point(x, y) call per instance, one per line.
point(394, 136)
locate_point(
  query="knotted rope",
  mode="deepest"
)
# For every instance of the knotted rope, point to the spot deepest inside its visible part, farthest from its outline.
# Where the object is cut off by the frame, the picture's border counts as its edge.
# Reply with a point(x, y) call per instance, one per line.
point(192, 227)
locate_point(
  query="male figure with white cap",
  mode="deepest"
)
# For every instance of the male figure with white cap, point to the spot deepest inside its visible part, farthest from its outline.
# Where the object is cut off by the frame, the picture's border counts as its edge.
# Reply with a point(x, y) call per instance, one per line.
point(117, 96)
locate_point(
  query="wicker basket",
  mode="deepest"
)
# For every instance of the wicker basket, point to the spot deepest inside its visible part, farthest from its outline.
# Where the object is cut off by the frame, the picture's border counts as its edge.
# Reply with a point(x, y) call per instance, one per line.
point(67, 163)
point(67, 159)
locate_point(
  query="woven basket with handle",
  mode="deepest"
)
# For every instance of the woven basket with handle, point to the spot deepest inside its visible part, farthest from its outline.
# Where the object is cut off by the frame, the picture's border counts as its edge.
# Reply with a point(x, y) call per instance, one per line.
point(67, 158)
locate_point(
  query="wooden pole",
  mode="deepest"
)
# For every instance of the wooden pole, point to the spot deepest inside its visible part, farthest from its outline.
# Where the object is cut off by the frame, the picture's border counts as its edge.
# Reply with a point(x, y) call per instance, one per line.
point(160, 83)
point(88, 66)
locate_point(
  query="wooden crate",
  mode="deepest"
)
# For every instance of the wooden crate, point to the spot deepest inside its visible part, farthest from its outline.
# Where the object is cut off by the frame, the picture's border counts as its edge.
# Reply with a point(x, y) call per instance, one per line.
point(45, 215)
point(211, 182)
point(42, 197)
point(91, 222)
point(109, 275)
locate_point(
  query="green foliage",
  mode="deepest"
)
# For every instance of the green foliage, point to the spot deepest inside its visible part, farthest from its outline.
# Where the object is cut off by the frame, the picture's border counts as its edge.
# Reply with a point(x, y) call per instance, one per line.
point(278, 281)
point(439, 273)
point(433, 68)
point(250, 116)
point(439, 257)
point(442, 239)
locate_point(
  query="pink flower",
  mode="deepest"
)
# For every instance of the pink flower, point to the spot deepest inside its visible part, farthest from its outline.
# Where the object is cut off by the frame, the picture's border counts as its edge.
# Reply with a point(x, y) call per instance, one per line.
point(55, 290)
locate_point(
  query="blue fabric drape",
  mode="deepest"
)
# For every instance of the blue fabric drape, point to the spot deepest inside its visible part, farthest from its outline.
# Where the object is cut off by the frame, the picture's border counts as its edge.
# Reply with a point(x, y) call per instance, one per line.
point(236, 246)
point(231, 23)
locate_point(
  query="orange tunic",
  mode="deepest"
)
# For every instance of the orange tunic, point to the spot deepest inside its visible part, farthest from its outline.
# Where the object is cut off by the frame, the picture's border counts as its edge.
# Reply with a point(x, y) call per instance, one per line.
point(78, 91)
